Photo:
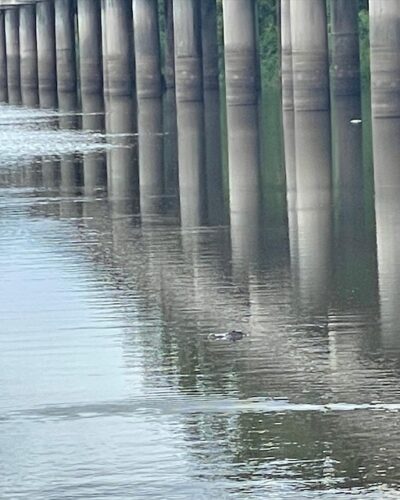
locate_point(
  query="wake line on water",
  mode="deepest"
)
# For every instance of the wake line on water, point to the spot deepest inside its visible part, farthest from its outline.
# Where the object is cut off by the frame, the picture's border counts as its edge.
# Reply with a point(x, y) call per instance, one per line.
point(173, 406)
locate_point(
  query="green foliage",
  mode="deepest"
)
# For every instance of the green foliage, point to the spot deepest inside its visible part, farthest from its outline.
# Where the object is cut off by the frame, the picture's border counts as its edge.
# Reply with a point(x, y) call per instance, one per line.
point(268, 40)
point(364, 44)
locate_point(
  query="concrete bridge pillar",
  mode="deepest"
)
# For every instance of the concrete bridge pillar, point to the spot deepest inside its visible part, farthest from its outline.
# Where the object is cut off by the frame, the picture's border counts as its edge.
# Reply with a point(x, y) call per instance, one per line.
point(46, 48)
point(170, 125)
point(13, 56)
point(90, 63)
point(242, 85)
point(385, 91)
point(345, 67)
point(119, 93)
point(212, 117)
point(3, 60)
point(311, 103)
point(287, 103)
point(169, 55)
point(29, 56)
point(65, 54)
point(385, 95)
point(91, 87)
point(150, 112)
point(190, 110)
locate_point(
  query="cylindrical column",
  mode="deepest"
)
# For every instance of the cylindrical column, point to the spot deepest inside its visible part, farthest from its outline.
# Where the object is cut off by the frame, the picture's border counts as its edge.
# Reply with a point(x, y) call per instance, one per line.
point(345, 66)
point(241, 72)
point(149, 90)
point(311, 102)
point(65, 54)
point(90, 62)
point(212, 118)
point(119, 93)
point(287, 103)
point(28, 51)
point(385, 95)
point(170, 124)
point(385, 88)
point(169, 54)
point(46, 48)
point(190, 109)
point(13, 57)
point(3, 60)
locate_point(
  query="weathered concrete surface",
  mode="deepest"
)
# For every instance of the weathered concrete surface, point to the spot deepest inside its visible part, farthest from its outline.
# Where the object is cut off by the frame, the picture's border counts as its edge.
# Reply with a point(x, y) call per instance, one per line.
point(190, 110)
point(90, 63)
point(120, 98)
point(29, 56)
point(65, 55)
point(241, 71)
point(311, 103)
point(13, 56)
point(150, 112)
point(46, 48)
point(385, 92)
point(3, 60)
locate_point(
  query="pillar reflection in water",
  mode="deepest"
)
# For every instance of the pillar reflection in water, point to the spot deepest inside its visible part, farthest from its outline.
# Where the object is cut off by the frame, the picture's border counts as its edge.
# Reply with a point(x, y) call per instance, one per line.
point(70, 175)
point(242, 112)
point(50, 173)
point(385, 85)
point(28, 52)
point(13, 56)
point(150, 116)
point(46, 49)
point(119, 94)
point(212, 112)
point(94, 172)
point(190, 110)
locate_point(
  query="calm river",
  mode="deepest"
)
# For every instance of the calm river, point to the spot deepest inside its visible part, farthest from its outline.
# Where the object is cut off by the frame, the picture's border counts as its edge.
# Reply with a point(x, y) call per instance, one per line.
point(110, 385)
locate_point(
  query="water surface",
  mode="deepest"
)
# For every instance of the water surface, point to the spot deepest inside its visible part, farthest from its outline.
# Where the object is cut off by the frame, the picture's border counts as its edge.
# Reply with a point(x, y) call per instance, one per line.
point(110, 386)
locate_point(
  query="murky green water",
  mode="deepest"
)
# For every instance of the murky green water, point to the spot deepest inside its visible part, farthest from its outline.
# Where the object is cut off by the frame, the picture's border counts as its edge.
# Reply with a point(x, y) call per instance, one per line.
point(110, 386)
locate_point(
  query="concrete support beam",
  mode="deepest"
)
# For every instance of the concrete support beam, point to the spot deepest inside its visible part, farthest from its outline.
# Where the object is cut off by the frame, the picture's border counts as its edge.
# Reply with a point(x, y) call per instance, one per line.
point(345, 67)
point(120, 96)
point(3, 60)
point(46, 47)
point(287, 103)
point(90, 62)
point(241, 73)
point(311, 103)
point(169, 55)
point(29, 56)
point(65, 54)
point(385, 91)
point(13, 56)
point(190, 110)
point(149, 100)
